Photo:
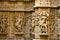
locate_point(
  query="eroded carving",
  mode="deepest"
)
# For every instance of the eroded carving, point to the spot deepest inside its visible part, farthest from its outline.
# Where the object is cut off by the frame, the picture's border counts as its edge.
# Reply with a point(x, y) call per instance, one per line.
point(3, 23)
point(40, 19)
point(18, 23)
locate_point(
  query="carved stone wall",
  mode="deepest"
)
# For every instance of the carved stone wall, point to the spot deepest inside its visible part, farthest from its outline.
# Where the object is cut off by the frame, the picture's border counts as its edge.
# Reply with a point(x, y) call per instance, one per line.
point(12, 25)
point(12, 6)
point(4, 23)
point(29, 20)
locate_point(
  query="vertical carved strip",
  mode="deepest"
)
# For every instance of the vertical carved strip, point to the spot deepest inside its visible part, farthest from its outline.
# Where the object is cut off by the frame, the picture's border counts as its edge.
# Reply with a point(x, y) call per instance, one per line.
point(19, 27)
point(40, 22)
point(52, 28)
point(3, 22)
point(18, 22)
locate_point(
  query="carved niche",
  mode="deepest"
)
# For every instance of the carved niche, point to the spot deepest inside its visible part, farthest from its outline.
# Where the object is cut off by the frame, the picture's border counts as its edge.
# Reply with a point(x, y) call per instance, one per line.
point(3, 22)
point(44, 22)
point(41, 19)
point(18, 22)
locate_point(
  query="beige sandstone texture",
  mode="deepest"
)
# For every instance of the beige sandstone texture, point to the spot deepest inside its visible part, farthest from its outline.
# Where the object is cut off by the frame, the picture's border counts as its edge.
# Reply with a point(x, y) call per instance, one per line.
point(30, 20)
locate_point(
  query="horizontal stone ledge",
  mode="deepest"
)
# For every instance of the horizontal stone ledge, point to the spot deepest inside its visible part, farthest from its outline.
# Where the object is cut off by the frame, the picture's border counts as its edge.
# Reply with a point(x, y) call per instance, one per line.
point(3, 33)
point(16, 10)
point(58, 6)
point(18, 0)
point(47, 6)
point(36, 39)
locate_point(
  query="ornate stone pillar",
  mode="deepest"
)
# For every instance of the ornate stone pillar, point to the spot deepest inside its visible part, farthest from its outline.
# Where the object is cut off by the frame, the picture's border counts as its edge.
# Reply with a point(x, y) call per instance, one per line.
point(4, 24)
point(19, 25)
point(58, 20)
point(41, 21)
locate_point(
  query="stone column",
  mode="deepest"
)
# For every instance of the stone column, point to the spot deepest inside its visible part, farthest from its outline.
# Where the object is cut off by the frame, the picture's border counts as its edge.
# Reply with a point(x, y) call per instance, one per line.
point(40, 23)
point(58, 20)
point(41, 20)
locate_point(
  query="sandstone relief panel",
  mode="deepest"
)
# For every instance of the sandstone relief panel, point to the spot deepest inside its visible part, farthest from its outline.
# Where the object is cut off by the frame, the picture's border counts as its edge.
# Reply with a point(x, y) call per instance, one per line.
point(18, 22)
point(41, 19)
point(4, 23)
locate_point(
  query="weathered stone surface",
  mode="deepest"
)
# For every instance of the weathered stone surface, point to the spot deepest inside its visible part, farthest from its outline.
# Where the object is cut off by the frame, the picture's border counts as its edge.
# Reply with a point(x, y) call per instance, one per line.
point(29, 20)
